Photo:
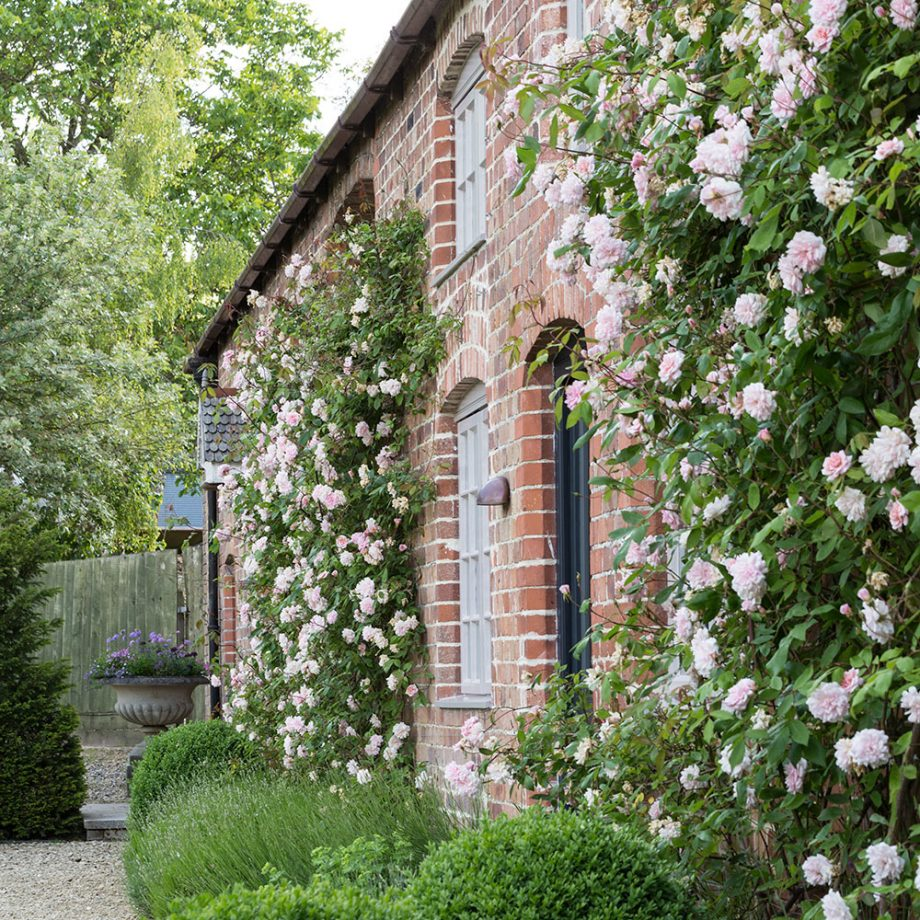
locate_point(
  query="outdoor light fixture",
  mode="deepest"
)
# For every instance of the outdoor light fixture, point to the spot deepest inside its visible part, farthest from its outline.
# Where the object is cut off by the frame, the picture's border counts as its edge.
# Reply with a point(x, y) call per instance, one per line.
point(496, 491)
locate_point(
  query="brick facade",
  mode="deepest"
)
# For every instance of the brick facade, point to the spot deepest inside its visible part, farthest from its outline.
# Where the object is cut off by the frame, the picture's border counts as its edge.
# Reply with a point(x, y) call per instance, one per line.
point(408, 156)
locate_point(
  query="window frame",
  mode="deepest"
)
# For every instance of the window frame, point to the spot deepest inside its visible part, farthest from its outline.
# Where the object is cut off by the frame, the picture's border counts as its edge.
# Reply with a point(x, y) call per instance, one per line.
point(573, 531)
point(576, 24)
point(474, 548)
point(469, 109)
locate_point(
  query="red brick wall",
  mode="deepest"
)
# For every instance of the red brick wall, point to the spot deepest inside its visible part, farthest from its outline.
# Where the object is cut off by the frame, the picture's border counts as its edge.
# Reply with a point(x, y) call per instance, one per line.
point(410, 158)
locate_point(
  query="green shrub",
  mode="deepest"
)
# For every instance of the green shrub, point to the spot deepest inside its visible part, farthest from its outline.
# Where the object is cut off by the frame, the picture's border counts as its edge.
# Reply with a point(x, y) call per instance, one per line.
point(211, 837)
point(42, 780)
point(370, 864)
point(285, 902)
point(544, 865)
point(194, 751)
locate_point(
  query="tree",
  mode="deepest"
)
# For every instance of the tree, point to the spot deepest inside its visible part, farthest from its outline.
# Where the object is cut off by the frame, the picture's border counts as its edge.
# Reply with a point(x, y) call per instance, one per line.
point(88, 418)
point(42, 781)
point(224, 90)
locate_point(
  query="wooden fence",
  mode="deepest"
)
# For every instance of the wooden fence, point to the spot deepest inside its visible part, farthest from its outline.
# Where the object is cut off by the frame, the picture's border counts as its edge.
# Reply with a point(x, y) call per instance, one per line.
point(159, 592)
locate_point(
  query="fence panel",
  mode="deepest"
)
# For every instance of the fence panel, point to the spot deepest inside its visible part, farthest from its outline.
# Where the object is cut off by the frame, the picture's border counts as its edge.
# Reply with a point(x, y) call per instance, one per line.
point(96, 599)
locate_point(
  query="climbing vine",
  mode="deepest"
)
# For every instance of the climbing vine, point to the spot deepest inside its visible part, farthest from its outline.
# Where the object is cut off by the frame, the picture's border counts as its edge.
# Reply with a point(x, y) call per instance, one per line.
point(329, 375)
point(738, 185)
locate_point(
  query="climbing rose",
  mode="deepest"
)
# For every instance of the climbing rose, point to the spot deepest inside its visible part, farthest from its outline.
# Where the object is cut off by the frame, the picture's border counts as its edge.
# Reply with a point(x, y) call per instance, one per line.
point(749, 309)
point(669, 369)
point(910, 703)
point(898, 515)
point(806, 251)
point(463, 777)
point(888, 148)
point(819, 870)
point(836, 464)
point(826, 12)
point(702, 574)
point(705, 652)
point(869, 748)
point(904, 13)
point(889, 450)
point(851, 503)
point(897, 243)
point(885, 863)
point(877, 622)
point(758, 401)
point(795, 776)
point(829, 702)
point(722, 198)
point(738, 696)
point(830, 192)
point(574, 393)
point(749, 577)
point(835, 908)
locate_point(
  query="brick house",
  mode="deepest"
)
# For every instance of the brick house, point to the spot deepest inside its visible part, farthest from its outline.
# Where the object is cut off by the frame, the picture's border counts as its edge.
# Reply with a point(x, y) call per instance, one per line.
point(420, 130)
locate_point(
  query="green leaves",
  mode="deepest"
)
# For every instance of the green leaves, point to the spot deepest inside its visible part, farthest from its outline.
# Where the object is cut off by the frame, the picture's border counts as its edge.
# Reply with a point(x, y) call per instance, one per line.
point(890, 327)
point(762, 238)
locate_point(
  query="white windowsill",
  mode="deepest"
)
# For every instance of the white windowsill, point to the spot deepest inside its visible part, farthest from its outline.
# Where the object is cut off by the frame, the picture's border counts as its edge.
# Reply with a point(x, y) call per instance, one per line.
point(464, 256)
point(465, 701)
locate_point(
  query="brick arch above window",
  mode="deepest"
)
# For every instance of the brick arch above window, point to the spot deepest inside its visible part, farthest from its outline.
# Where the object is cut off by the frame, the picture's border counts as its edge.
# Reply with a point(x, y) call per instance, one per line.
point(450, 79)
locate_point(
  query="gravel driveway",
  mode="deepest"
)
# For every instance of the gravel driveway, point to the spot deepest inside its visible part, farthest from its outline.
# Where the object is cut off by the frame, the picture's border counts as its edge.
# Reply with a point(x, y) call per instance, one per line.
point(70, 879)
point(63, 880)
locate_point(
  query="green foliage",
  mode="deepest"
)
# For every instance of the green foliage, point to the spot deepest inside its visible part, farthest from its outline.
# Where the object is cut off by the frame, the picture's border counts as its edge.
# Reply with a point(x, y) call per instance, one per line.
point(331, 373)
point(371, 864)
point(188, 753)
point(87, 422)
point(752, 228)
point(547, 864)
point(208, 837)
point(209, 101)
point(283, 901)
point(42, 782)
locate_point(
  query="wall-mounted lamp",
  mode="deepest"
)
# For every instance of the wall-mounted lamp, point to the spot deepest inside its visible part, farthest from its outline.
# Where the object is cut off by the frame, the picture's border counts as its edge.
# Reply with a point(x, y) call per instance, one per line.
point(496, 491)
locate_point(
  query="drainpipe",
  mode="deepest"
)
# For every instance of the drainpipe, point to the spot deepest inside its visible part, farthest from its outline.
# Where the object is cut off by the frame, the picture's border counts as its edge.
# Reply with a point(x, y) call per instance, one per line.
point(213, 595)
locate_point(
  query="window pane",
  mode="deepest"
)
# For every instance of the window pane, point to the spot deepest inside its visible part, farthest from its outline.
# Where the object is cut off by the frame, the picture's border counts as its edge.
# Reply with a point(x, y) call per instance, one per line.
point(473, 469)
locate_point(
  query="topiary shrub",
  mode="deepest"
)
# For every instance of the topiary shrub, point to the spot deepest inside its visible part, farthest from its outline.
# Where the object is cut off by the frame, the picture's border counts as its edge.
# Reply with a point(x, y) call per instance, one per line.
point(42, 779)
point(194, 750)
point(543, 865)
point(284, 901)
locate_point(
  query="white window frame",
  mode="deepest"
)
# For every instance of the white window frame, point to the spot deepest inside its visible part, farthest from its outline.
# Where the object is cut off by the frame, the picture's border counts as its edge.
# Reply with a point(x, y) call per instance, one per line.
point(469, 104)
point(575, 19)
point(474, 551)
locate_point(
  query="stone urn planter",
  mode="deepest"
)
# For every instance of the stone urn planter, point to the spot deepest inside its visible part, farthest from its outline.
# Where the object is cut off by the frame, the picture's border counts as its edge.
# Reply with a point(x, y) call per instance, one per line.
point(153, 703)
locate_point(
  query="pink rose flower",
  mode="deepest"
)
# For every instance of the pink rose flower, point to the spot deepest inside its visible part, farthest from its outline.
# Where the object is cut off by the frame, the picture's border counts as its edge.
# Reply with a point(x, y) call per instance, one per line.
point(897, 515)
point(738, 697)
point(836, 464)
point(807, 251)
point(829, 702)
point(888, 148)
point(795, 776)
point(669, 368)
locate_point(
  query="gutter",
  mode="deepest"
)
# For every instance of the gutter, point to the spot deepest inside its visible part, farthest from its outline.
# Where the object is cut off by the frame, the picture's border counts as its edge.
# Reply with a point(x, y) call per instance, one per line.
point(408, 35)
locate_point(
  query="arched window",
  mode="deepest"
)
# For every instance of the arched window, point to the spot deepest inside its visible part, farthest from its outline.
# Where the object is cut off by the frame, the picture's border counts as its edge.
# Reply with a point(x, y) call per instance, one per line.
point(573, 519)
point(475, 595)
point(469, 105)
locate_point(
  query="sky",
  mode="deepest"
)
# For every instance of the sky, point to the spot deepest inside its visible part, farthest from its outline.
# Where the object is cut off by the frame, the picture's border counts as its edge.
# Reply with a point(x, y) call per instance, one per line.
point(366, 24)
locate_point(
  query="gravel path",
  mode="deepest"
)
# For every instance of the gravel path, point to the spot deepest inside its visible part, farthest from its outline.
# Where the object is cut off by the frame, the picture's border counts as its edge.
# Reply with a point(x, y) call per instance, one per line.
point(105, 773)
point(63, 880)
point(70, 879)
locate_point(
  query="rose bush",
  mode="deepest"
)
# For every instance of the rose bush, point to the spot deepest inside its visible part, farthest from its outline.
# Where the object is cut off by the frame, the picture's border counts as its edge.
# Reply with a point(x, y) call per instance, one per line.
point(326, 499)
point(737, 183)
